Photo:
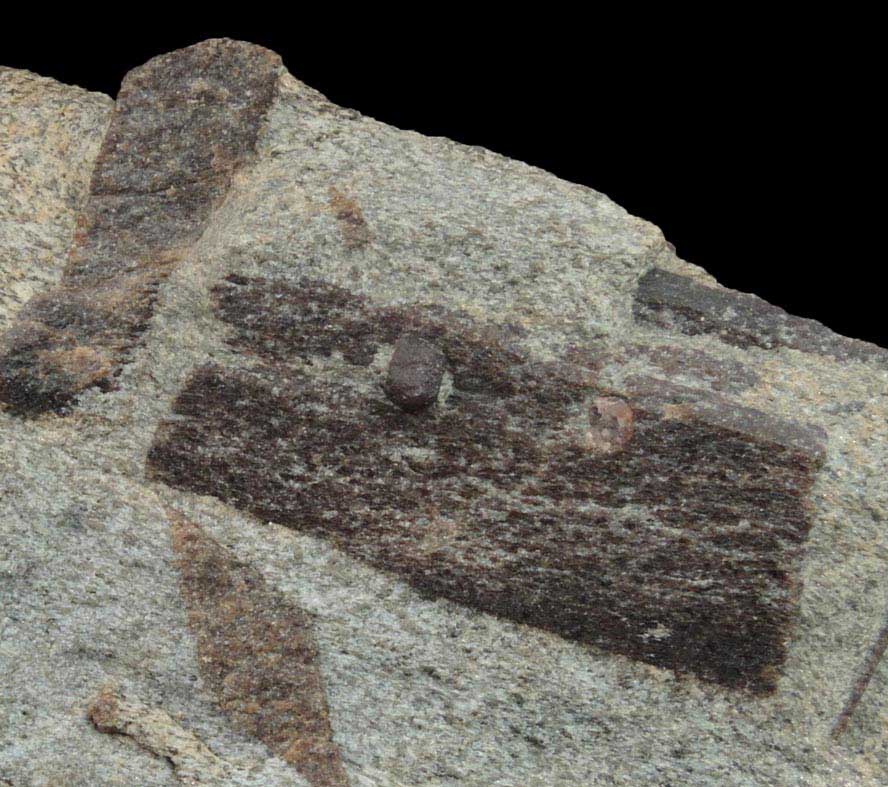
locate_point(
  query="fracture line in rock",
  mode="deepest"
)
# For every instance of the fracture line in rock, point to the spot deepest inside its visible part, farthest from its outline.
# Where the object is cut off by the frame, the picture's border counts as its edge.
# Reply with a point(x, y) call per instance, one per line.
point(876, 652)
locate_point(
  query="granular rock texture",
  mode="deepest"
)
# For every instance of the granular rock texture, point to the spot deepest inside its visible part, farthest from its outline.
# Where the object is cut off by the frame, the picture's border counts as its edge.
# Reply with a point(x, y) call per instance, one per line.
point(49, 138)
point(152, 729)
point(337, 455)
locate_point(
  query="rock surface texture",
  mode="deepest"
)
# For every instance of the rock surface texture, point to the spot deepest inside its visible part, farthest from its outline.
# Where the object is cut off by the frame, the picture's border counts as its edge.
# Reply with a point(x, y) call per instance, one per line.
point(338, 455)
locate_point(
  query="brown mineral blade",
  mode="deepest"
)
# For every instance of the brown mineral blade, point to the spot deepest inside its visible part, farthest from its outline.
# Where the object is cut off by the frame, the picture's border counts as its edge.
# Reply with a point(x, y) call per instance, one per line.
point(256, 652)
point(182, 125)
point(678, 303)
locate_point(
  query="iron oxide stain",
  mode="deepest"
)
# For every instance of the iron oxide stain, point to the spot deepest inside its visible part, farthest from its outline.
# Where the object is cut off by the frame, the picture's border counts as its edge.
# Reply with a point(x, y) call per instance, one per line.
point(351, 220)
point(610, 424)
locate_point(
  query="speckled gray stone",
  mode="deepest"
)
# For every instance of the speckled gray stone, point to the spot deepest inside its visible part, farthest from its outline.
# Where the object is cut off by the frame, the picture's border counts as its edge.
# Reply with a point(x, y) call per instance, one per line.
point(529, 582)
point(49, 138)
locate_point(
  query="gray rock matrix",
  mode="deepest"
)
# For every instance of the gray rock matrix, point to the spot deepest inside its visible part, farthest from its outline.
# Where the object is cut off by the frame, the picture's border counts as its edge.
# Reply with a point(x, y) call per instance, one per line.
point(334, 454)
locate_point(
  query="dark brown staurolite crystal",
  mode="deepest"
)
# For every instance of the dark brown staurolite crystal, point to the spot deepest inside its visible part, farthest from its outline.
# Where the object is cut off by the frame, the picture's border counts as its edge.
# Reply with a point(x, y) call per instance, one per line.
point(641, 521)
point(257, 654)
point(678, 303)
point(414, 375)
point(182, 125)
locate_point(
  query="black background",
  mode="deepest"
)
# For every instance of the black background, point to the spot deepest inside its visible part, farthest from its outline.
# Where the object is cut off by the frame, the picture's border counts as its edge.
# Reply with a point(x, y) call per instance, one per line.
point(747, 140)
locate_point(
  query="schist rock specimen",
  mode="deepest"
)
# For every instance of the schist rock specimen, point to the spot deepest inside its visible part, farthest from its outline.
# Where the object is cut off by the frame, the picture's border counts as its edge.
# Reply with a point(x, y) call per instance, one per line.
point(336, 455)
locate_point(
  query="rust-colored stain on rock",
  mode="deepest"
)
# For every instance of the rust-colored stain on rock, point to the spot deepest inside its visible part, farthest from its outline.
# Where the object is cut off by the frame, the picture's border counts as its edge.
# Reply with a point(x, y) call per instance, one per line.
point(874, 656)
point(102, 712)
point(256, 652)
point(348, 213)
point(610, 424)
